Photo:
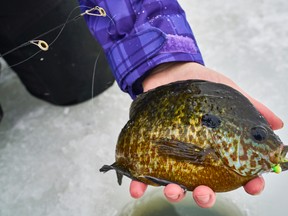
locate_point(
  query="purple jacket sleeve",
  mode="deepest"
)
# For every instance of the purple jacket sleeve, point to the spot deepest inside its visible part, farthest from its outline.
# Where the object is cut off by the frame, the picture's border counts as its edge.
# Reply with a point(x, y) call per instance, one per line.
point(139, 35)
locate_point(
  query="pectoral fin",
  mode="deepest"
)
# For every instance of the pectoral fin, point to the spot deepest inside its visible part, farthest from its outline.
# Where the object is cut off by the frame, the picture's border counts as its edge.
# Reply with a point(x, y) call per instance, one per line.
point(183, 151)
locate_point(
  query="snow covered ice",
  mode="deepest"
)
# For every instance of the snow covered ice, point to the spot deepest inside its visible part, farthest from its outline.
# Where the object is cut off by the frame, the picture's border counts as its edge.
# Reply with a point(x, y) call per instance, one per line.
point(50, 156)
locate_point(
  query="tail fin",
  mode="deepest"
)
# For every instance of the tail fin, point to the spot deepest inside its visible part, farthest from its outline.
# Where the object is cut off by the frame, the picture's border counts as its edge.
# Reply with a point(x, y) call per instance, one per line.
point(119, 171)
point(106, 168)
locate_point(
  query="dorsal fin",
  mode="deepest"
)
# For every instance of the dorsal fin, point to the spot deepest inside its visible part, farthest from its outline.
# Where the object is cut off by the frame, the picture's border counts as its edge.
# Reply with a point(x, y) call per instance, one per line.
point(156, 94)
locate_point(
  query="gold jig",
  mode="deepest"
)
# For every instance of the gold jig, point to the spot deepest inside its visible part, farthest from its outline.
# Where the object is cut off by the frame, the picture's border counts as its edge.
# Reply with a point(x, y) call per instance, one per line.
point(41, 44)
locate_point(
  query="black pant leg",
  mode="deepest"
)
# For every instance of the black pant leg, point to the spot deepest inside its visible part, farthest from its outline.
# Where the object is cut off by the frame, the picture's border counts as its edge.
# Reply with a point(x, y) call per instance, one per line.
point(63, 74)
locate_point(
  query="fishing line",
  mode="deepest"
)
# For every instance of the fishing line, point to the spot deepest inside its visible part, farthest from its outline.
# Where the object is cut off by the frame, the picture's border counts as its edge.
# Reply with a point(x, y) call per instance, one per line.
point(94, 74)
point(30, 57)
point(93, 78)
point(43, 45)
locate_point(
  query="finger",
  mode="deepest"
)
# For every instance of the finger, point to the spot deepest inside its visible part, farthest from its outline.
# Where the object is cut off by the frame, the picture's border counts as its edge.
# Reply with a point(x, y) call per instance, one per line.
point(255, 186)
point(137, 189)
point(274, 121)
point(174, 193)
point(204, 196)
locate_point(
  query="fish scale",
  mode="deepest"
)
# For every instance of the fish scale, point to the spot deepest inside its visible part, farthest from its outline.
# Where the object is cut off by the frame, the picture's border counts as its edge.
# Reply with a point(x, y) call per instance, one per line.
point(196, 133)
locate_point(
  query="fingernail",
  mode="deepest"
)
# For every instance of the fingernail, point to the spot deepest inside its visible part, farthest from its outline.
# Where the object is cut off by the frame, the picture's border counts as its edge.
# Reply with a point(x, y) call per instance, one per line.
point(203, 199)
point(137, 195)
point(173, 196)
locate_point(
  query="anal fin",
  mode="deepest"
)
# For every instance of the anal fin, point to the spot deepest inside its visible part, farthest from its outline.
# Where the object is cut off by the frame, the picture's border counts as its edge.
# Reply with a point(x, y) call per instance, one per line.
point(163, 182)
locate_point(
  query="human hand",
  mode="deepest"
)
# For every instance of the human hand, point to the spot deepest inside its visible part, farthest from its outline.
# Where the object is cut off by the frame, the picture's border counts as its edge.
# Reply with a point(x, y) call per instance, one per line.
point(171, 72)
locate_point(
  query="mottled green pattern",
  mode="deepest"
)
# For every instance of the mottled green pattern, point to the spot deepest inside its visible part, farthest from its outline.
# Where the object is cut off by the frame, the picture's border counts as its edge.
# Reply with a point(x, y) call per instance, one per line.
point(196, 133)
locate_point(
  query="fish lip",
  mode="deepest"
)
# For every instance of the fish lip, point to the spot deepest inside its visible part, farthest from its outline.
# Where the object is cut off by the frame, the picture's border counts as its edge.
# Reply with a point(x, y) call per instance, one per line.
point(284, 166)
point(283, 158)
point(279, 157)
point(284, 151)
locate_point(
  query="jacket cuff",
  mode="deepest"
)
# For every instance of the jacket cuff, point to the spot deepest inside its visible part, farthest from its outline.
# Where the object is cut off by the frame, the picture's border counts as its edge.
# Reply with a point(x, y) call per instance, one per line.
point(132, 57)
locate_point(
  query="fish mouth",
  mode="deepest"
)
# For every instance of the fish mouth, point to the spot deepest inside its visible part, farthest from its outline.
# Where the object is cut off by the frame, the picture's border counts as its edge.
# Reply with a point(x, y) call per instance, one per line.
point(284, 163)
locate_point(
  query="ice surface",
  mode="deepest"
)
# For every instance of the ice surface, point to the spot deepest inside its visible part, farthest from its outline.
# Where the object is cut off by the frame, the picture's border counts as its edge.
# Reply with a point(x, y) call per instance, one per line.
point(50, 156)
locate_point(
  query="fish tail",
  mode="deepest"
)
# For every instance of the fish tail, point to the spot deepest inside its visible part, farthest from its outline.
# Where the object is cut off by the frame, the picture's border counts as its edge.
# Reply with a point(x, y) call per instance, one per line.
point(119, 172)
point(106, 168)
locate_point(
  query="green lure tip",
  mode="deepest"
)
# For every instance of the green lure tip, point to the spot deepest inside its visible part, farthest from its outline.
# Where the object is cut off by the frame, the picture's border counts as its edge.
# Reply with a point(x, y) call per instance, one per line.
point(277, 168)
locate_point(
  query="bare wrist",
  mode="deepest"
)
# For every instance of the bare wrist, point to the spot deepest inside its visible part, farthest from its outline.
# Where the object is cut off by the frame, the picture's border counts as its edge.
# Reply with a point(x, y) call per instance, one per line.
point(172, 72)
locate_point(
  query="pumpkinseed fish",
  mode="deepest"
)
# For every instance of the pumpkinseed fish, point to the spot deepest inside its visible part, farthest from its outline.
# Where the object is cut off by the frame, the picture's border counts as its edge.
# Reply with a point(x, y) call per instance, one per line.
point(195, 133)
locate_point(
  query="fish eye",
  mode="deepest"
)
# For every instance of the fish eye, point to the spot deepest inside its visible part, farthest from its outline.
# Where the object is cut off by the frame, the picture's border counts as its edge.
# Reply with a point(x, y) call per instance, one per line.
point(211, 121)
point(259, 133)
